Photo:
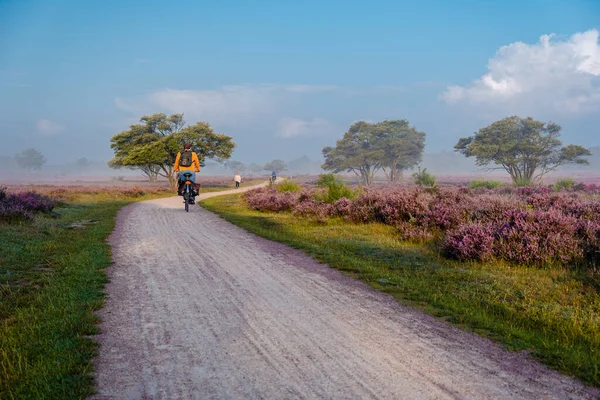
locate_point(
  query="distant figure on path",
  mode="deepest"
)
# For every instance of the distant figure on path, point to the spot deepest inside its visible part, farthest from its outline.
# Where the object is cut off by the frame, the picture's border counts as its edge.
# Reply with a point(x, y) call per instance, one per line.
point(273, 176)
point(238, 179)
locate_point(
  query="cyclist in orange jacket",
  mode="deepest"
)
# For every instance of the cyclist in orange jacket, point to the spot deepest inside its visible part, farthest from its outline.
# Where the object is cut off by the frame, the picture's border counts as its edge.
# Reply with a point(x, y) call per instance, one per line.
point(186, 160)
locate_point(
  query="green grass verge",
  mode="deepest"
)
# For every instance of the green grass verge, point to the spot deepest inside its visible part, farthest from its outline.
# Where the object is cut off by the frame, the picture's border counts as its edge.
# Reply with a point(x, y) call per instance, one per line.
point(554, 314)
point(51, 281)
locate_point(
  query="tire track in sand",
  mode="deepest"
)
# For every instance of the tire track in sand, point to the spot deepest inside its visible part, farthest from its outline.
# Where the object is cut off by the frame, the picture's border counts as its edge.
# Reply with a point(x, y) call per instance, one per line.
point(200, 309)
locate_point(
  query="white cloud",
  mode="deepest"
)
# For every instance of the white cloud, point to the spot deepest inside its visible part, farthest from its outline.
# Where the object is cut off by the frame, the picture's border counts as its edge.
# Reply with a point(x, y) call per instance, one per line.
point(294, 127)
point(228, 106)
point(47, 127)
point(310, 88)
point(558, 75)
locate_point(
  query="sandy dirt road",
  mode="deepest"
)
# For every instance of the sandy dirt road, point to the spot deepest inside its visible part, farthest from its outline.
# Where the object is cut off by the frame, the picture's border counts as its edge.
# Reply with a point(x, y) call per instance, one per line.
point(200, 309)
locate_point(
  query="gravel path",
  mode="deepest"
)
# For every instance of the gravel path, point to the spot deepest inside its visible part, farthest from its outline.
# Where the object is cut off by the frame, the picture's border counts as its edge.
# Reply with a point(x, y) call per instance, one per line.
point(200, 309)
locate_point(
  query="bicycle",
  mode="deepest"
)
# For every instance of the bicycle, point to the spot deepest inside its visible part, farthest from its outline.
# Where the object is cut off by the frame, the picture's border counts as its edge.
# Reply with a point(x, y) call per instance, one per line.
point(189, 191)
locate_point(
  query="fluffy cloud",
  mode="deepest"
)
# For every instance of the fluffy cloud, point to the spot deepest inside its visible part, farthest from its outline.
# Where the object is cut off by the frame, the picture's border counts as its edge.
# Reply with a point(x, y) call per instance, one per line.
point(558, 75)
point(228, 106)
point(294, 127)
point(308, 88)
point(47, 127)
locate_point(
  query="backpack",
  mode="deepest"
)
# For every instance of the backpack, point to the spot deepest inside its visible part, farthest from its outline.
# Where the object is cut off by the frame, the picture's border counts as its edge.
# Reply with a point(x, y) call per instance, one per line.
point(185, 160)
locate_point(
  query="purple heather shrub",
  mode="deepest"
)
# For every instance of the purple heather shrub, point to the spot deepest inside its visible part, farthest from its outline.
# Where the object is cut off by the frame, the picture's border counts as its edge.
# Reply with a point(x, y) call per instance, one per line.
point(342, 207)
point(391, 206)
point(591, 188)
point(23, 205)
point(449, 208)
point(526, 191)
point(529, 225)
point(266, 199)
point(537, 238)
point(504, 190)
point(588, 232)
point(12, 212)
point(313, 209)
point(492, 208)
point(473, 241)
point(32, 201)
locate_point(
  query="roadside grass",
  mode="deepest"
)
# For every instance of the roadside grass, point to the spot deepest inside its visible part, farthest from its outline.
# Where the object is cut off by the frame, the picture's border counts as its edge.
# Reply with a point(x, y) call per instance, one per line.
point(553, 314)
point(51, 282)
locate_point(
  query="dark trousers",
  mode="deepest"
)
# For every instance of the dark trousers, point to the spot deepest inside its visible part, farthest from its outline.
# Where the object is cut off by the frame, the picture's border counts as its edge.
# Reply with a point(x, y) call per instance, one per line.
point(237, 184)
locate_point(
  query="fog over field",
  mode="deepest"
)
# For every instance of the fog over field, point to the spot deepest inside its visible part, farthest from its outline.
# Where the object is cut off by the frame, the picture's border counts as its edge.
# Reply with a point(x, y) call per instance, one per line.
point(449, 166)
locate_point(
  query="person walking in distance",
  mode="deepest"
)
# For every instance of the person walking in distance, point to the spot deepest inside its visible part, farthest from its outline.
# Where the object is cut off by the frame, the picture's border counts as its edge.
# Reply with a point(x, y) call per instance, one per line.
point(238, 179)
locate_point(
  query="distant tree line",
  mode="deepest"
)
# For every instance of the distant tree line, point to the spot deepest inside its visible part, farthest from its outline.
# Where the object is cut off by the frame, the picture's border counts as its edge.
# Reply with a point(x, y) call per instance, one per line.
point(391, 146)
point(523, 147)
point(28, 159)
point(33, 160)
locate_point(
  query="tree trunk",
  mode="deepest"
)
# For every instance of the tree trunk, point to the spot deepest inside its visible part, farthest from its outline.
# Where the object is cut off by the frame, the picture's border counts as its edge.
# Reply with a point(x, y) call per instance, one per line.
point(151, 172)
point(398, 175)
point(389, 176)
point(169, 173)
point(395, 174)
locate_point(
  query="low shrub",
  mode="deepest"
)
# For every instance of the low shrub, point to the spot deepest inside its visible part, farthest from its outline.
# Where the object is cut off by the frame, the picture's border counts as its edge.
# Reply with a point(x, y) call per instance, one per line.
point(537, 238)
point(473, 241)
point(566, 183)
point(23, 205)
point(424, 178)
point(335, 189)
point(588, 233)
point(269, 199)
point(342, 207)
point(476, 184)
point(313, 209)
point(13, 212)
point(288, 186)
point(591, 188)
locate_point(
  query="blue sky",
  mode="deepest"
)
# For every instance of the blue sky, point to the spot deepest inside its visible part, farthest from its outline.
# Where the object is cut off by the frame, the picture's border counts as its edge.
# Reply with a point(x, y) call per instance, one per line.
point(287, 78)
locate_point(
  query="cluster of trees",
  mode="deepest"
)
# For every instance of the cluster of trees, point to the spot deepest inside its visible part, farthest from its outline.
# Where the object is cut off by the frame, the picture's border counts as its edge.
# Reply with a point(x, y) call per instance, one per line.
point(152, 145)
point(29, 159)
point(275, 165)
point(391, 146)
point(525, 148)
point(33, 160)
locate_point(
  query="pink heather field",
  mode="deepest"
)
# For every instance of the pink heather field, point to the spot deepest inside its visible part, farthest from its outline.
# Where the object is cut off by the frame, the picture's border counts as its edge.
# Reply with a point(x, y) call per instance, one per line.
point(538, 225)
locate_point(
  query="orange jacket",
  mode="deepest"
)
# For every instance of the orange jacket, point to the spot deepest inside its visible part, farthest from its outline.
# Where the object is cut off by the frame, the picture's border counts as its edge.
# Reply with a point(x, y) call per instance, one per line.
point(195, 163)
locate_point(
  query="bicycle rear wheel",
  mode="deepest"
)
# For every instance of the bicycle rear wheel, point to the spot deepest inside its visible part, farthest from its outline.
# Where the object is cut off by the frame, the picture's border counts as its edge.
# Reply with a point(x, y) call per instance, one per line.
point(186, 197)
